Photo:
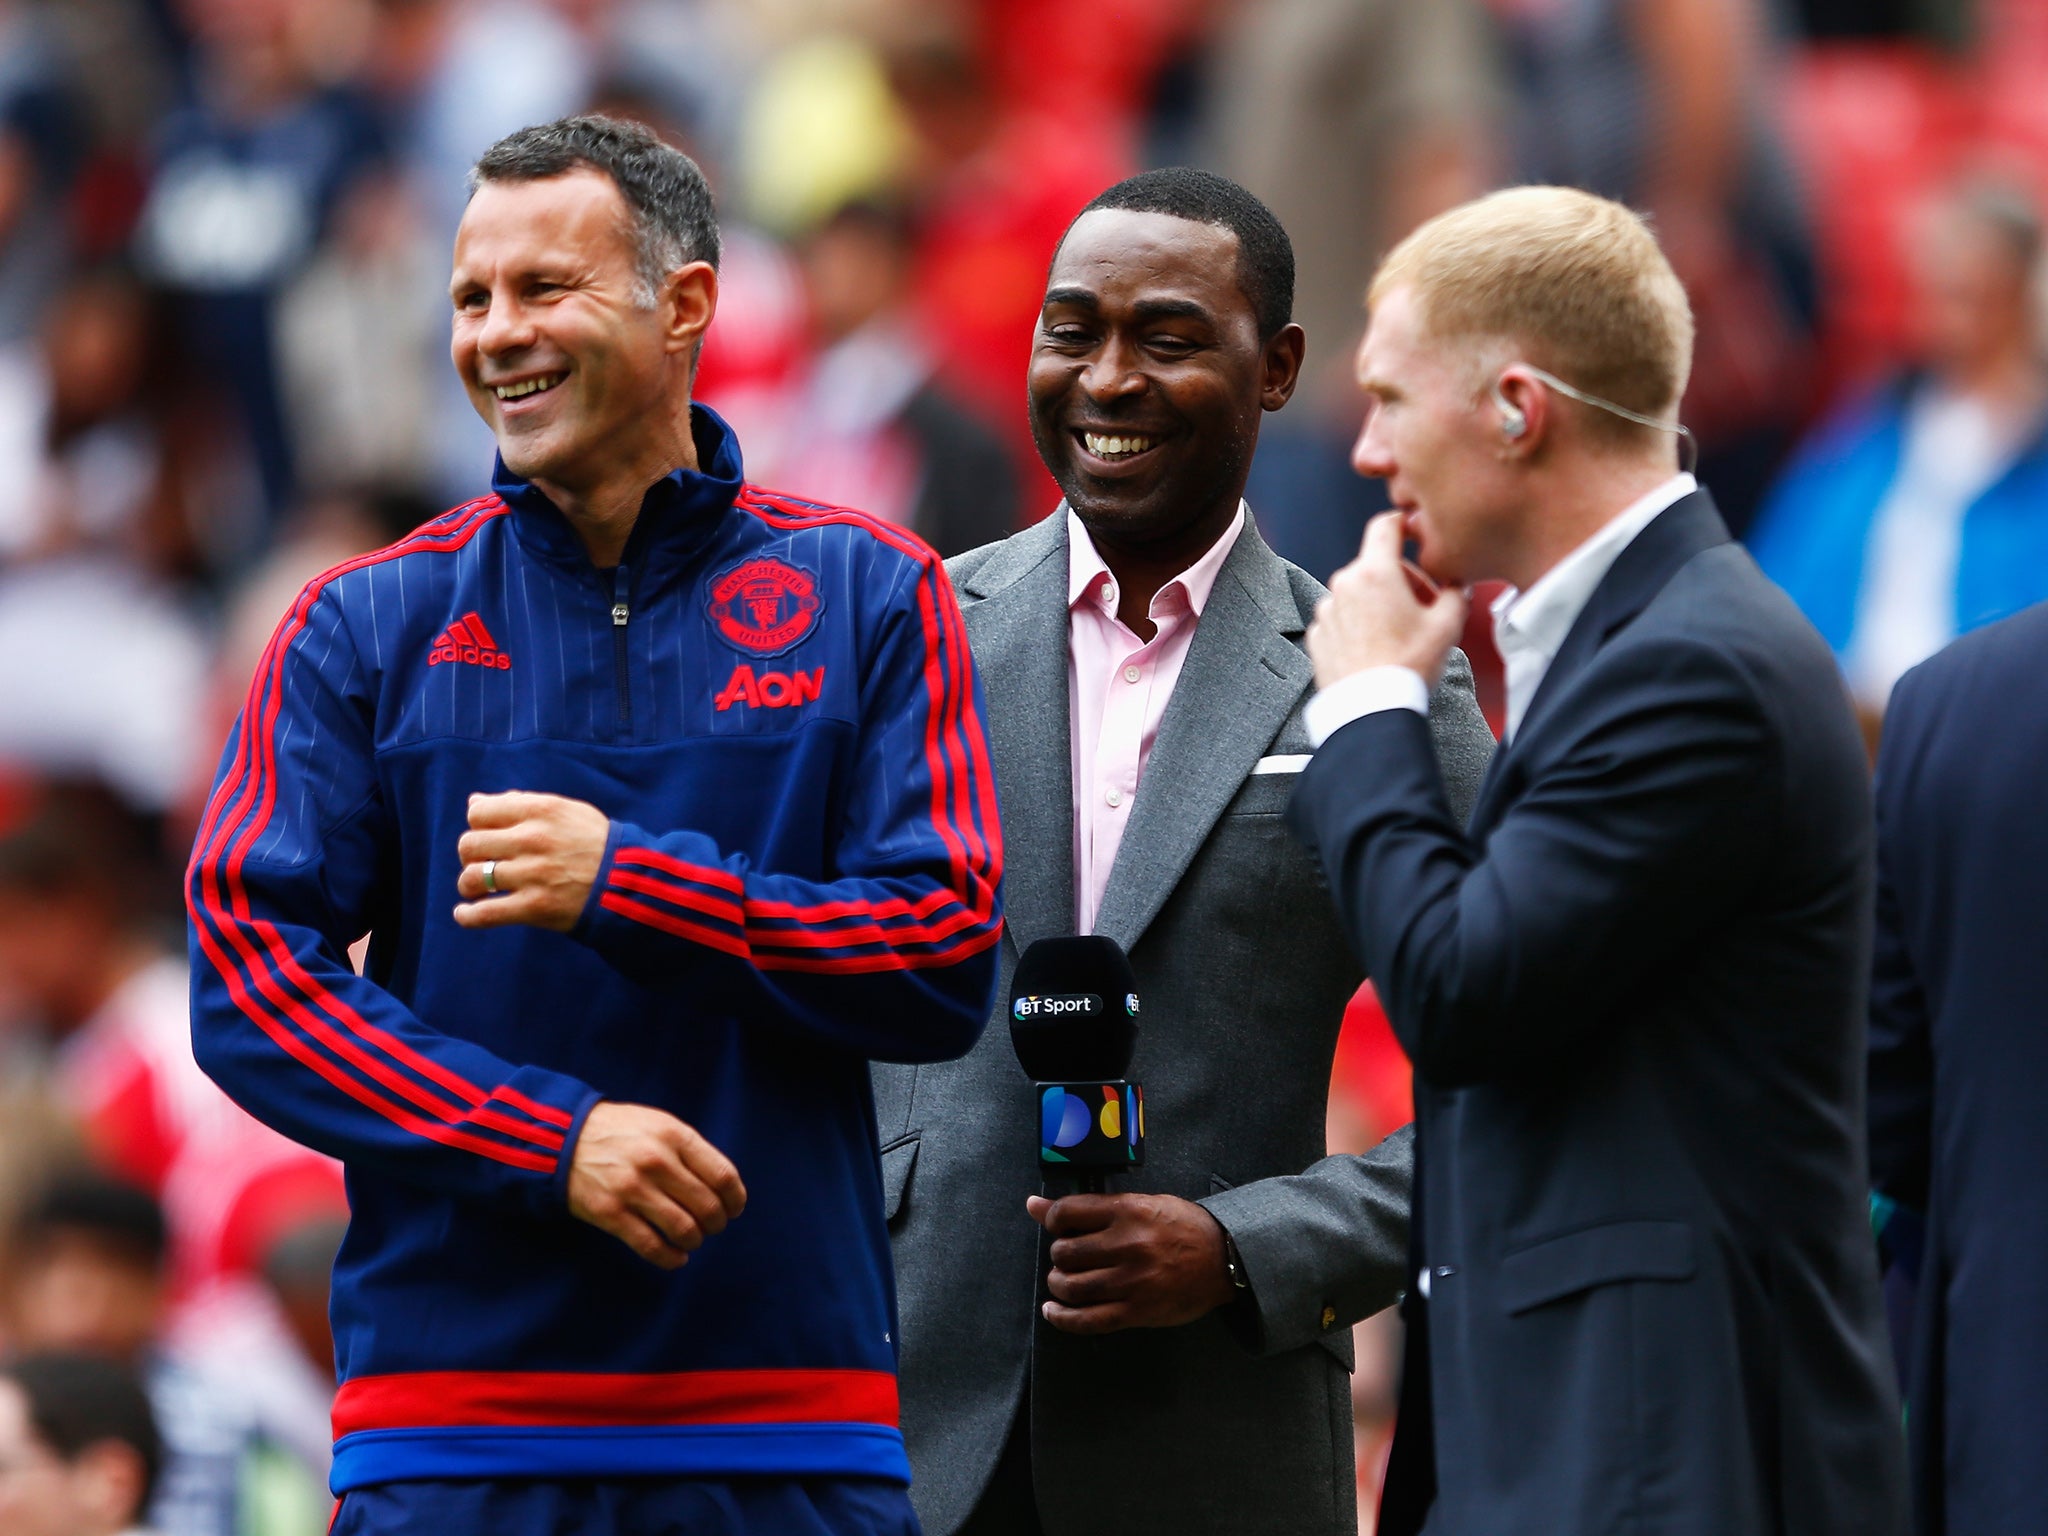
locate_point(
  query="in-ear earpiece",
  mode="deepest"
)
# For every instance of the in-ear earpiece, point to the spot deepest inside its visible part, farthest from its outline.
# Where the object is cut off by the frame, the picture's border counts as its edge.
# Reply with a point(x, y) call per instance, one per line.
point(1512, 422)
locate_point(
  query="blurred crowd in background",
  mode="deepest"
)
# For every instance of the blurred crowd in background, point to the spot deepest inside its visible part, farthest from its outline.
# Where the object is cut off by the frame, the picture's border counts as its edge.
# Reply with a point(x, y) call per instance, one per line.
point(224, 236)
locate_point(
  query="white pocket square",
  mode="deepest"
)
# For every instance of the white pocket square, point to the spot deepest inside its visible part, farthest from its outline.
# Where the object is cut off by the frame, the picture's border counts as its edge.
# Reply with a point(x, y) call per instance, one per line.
point(1286, 762)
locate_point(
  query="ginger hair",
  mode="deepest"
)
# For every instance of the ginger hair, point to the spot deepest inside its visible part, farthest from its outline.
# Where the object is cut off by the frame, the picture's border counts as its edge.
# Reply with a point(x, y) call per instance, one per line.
point(1556, 277)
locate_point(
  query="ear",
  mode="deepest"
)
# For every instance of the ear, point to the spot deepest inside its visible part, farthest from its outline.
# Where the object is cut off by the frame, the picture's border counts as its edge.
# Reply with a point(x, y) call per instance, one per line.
point(1281, 361)
point(689, 298)
point(1521, 408)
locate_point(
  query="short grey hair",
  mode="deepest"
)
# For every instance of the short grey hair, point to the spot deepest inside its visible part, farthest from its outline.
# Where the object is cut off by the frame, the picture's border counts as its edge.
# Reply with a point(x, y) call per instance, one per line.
point(674, 219)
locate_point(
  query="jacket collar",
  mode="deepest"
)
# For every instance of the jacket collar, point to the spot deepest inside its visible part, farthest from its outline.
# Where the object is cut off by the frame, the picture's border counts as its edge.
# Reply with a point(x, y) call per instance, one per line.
point(676, 515)
point(1686, 528)
point(1242, 677)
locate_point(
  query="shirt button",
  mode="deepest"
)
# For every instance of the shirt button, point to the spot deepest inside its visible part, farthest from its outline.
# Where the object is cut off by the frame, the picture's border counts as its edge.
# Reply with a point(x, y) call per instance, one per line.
point(1329, 1318)
point(1132, 674)
point(1114, 796)
point(1422, 1283)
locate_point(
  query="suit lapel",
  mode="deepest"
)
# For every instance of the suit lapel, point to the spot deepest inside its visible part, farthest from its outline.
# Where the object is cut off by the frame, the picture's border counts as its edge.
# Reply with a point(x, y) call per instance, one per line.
point(1241, 679)
point(1685, 528)
point(1018, 632)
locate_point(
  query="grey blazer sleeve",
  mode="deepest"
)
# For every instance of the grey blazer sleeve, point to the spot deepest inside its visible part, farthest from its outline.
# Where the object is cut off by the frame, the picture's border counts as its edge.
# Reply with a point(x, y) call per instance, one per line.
point(1330, 1243)
point(1464, 741)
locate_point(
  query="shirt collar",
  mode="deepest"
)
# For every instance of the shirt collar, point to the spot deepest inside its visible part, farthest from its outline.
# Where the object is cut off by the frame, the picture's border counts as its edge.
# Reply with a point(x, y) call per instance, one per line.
point(1538, 620)
point(673, 513)
point(1088, 574)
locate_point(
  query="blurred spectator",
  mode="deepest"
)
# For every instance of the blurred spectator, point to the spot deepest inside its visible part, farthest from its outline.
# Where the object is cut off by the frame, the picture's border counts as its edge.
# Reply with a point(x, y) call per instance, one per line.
point(96, 433)
point(362, 336)
point(821, 131)
point(39, 155)
point(1921, 510)
point(993, 194)
point(247, 177)
point(77, 949)
point(267, 1335)
point(105, 676)
point(866, 425)
point(79, 1449)
point(1668, 106)
point(81, 923)
point(38, 1140)
point(1354, 120)
point(89, 1276)
point(1097, 91)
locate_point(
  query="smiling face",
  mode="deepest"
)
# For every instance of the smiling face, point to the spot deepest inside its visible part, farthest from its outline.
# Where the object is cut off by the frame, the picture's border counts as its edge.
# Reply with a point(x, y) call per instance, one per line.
point(574, 372)
point(1148, 376)
point(1430, 433)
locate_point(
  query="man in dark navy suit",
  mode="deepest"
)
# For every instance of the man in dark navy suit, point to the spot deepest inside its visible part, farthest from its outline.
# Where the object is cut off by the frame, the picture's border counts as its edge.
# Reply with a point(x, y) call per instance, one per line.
point(1645, 1290)
point(1959, 1066)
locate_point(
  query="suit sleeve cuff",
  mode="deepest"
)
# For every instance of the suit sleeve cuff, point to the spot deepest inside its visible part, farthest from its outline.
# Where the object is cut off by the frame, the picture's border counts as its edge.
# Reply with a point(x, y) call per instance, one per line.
point(1360, 694)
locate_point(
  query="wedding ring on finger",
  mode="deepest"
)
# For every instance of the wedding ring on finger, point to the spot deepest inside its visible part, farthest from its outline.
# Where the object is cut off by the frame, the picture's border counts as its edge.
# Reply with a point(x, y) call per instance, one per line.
point(490, 877)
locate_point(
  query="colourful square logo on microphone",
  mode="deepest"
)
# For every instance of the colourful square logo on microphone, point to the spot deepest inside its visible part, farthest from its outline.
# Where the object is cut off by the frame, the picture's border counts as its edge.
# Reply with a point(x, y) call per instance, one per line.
point(1091, 1125)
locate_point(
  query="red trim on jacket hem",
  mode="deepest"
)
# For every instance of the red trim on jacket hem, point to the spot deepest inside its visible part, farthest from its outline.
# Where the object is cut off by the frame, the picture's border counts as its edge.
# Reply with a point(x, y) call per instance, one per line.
point(577, 1399)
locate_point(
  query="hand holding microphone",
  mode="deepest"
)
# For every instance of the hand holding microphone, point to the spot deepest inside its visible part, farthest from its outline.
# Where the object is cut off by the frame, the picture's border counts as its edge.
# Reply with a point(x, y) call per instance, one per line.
point(1119, 1260)
point(1131, 1261)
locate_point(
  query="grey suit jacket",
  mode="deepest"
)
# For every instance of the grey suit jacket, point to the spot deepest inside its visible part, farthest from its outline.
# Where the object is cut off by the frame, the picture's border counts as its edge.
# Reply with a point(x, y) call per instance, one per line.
point(1241, 1421)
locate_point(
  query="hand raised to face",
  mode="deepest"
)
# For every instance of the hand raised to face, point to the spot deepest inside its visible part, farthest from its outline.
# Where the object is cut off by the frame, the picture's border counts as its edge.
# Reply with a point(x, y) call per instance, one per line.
point(1382, 611)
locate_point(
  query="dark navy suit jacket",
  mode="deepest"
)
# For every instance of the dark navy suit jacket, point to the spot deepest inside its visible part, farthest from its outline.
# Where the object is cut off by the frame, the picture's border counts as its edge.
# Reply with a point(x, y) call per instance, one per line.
point(1959, 1064)
point(1634, 996)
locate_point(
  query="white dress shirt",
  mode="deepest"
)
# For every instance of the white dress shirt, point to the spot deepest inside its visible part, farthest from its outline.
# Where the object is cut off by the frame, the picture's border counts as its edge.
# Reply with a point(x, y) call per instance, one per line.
point(1529, 627)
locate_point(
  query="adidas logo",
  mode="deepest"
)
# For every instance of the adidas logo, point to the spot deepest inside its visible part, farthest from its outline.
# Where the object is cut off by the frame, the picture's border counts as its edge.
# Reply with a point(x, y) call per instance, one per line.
point(467, 640)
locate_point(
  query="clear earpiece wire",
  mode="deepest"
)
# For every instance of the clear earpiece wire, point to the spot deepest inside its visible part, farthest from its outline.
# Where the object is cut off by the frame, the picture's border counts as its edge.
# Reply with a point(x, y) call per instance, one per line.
point(1692, 444)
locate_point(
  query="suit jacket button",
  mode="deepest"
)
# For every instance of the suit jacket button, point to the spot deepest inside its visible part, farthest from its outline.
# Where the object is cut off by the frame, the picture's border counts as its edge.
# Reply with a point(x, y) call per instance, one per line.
point(1329, 1318)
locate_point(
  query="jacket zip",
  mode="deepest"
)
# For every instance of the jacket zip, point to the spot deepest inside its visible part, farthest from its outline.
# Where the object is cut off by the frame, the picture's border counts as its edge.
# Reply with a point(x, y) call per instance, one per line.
point(622, 612)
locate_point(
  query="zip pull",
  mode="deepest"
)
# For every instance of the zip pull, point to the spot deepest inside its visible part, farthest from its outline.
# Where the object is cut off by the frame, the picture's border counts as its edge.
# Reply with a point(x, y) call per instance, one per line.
point(622, 668)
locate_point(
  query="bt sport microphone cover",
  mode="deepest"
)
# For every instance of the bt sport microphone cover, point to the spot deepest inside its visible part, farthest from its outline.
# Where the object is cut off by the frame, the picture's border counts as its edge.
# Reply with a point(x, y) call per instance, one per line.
point(1074, 1010)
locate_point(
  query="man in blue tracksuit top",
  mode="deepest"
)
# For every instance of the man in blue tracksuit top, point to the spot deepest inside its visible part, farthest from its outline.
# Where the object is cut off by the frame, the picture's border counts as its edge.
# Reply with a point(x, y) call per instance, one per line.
point(666, 804)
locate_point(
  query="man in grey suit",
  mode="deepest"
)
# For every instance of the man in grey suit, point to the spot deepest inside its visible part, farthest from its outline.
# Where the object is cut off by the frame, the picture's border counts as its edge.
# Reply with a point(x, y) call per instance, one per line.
point(1182, 1366)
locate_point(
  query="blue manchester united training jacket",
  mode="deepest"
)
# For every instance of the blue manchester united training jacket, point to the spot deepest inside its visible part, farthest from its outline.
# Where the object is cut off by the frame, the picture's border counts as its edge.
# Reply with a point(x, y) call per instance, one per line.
point(774, 703)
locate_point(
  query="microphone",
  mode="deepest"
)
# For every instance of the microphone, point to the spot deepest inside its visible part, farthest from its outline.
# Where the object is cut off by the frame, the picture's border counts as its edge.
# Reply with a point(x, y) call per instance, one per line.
point(1074, 1024)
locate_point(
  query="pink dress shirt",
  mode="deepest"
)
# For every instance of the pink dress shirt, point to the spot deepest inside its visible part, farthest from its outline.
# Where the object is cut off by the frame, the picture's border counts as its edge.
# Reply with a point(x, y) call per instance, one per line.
point(1117, 690)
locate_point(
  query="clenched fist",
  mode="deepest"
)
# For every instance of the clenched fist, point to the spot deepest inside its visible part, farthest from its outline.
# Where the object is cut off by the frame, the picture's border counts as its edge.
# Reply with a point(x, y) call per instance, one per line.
point(529, 859)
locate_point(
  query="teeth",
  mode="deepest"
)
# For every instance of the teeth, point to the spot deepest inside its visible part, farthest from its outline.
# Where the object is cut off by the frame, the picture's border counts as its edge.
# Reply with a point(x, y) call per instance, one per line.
point(1115, 447)
point(528, 387)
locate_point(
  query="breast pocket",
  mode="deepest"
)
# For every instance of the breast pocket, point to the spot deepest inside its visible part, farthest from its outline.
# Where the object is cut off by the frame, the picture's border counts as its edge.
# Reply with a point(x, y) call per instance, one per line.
point(1594, 1256)
point(1264, 794)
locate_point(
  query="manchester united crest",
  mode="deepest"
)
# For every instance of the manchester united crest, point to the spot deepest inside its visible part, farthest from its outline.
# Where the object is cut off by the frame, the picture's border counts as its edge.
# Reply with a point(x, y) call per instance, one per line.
point(765, 605)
